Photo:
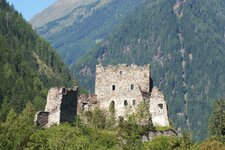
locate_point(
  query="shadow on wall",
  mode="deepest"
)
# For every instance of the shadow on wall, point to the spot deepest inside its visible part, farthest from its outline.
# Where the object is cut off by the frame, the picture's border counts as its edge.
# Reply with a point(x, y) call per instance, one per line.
point(151, 85)
point(68, 104)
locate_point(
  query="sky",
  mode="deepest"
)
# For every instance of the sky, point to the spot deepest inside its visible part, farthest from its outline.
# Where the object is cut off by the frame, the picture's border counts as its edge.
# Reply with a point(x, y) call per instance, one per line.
point(29, 8)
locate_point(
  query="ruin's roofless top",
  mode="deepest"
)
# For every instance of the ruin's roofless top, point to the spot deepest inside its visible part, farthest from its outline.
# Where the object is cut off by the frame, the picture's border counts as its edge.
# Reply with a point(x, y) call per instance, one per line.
point(147, 66)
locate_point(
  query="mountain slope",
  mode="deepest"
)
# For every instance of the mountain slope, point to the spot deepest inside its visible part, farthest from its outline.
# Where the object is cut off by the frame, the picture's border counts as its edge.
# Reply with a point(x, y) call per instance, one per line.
point(73, 34)
point(184, 42)
point(59, 9)
point(28, 64)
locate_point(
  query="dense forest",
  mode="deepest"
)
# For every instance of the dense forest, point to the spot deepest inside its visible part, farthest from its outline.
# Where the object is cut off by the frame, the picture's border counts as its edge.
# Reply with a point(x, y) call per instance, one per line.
point(28, 64)
point(184, 43)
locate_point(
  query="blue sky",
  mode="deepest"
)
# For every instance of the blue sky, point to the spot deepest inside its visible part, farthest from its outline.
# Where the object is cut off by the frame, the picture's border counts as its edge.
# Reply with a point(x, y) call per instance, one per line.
point(30, 7)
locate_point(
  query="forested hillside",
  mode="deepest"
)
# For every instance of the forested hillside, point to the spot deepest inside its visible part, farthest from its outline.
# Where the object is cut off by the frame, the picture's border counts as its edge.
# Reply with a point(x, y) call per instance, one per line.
point(184, 43)
point(28, 64)
point(75, 33)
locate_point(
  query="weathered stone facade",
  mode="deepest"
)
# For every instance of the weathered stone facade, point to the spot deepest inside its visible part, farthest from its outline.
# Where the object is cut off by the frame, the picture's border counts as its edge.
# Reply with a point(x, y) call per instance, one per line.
point(158, 108)
point(87, 102)
point(125, 87)
point(61, 107)
point(121, 85)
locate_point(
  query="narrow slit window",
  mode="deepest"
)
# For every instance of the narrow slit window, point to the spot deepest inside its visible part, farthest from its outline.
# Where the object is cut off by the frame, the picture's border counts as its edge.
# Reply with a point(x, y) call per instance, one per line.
point(125, 103)
point(132, 86)
point(113, 87)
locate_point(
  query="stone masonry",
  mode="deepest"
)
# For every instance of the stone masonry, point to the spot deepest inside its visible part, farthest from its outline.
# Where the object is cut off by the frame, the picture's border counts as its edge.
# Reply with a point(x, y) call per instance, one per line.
point(121, 86)
point(61, 107)
point(158, 108)
point(126, 86)
point(87, 102)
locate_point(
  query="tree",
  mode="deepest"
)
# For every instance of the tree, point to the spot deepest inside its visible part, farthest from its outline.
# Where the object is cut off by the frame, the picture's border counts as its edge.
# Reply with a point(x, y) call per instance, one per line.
point(16, 130)
point(185, 141)
point(143, 116)
point(217, 120)
point(162, 143)
point(211, 145)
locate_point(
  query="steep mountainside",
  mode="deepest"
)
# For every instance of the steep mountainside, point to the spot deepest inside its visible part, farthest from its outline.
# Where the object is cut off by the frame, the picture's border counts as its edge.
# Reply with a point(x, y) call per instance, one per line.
point(84, 26)
point(28, 64)
point(59, 9)
point(184, 41)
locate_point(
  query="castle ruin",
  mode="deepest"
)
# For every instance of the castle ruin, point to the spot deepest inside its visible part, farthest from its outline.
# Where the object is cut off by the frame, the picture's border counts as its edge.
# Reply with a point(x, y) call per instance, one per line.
point(126, 86)
point(61, 107)
point(122, 87)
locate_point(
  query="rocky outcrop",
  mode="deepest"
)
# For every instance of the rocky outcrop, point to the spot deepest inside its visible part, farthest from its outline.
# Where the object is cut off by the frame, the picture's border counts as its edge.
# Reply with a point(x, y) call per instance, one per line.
point(152, 134)
point(61, 107)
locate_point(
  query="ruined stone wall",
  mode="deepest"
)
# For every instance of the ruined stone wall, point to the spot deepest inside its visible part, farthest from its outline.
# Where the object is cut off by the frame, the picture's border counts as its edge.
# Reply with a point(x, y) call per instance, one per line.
point(61, 107)
point(158, 108)
point(121, 85)
point(87, 102)
point(54, 100)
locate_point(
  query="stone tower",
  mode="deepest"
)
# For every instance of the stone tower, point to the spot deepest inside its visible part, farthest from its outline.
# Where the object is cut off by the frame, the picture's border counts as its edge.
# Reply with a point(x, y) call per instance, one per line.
point(124, 87)
point(121, 86)
point(158, 108)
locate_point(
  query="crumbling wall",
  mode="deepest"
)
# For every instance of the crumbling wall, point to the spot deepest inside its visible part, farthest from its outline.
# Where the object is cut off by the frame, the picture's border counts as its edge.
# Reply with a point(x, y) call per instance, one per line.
point(61, 107)
point(158, 108)
point(121, 85)
point(69, 105)
point(87, 102)
point(41, 118)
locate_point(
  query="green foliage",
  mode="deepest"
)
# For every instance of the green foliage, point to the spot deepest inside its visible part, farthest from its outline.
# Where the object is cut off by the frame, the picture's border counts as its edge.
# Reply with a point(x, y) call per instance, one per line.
point(95, 118)
point(211, 145)
point(75, 40)
point(217, 120)
point(185, 141)
point(67, 137)
point(19, 132)
point(130, 134)
point(28, 64)
point(143, 116)
point(162, 143)
point(16, 130)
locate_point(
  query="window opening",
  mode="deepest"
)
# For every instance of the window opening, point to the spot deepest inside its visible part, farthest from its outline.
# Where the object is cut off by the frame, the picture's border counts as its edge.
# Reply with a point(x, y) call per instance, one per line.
point(132, 86)
point(134, 102)
point(113, 87)
point(125, 103)
point(160, 106)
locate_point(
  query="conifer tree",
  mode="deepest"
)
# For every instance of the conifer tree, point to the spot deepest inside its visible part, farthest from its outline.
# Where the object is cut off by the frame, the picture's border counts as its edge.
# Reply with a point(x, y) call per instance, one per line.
point(217, 120)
